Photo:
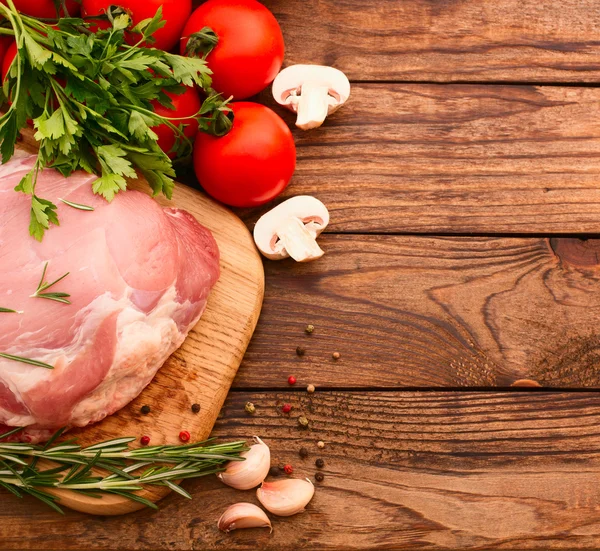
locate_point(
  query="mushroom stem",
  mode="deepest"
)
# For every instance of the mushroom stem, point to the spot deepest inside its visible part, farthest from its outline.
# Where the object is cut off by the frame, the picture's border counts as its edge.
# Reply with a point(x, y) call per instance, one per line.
point(312, 106)
point(298, 241)
point(312, 92)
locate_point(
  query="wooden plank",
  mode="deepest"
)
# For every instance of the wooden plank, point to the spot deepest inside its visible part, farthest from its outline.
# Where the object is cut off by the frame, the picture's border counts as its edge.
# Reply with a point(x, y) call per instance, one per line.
point(416, 311)
point(434, 470)
point(445, 41)
point(455, 159)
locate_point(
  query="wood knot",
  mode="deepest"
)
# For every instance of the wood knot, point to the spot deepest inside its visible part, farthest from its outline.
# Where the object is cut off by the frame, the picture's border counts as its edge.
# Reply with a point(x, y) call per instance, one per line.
point(581, 253)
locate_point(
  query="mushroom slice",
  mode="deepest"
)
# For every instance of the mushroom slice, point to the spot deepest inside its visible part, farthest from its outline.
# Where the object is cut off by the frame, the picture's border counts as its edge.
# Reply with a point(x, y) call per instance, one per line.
point(311, 91)
point(291, 229)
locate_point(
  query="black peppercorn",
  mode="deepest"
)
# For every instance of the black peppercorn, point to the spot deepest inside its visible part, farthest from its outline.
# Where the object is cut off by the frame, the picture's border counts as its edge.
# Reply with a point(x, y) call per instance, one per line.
point(195, 408)
point(300, 351)
point(145, 410)
point(274, 471)
point(319, 463)
point(303, 452)
point(319, 477)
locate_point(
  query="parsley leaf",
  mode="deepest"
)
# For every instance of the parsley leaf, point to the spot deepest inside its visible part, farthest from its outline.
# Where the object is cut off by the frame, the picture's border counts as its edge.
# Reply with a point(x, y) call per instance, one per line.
point(43, 213)
point(90, 96)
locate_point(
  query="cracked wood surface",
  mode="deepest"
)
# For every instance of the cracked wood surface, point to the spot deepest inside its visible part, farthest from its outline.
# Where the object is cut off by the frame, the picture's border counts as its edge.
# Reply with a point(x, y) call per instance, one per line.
point(403, 470)
point(445, 40)
point(412, 153)
point(423, 311)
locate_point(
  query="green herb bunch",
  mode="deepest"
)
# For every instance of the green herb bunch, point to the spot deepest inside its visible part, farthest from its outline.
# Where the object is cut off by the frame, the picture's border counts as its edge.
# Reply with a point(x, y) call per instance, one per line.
point(126, 470)
point(89, 95)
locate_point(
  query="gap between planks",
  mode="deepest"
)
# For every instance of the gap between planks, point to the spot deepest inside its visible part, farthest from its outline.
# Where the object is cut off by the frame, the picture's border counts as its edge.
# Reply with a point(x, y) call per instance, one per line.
point(556, 84)
point(400, 389)
point(536, 235)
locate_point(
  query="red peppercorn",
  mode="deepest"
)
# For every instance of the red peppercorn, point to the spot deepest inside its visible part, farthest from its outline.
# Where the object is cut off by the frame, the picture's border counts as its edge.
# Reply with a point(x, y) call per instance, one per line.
point(288, 469)
point(292, 380)
point(184, 436)
point(286, 408)
point(145, 440)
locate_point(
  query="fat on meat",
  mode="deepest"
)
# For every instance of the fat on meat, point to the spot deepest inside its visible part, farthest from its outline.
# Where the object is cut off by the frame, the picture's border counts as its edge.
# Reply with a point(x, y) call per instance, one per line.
point(139, 278)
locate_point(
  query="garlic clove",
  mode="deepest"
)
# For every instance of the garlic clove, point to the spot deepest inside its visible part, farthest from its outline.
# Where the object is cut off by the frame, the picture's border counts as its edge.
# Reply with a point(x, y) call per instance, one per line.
point(245, 475)
point(285, 498)
point(243, 515)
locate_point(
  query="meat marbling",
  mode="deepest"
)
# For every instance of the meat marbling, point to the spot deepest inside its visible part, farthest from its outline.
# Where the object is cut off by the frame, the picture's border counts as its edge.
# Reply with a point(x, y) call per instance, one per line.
point(139, 278)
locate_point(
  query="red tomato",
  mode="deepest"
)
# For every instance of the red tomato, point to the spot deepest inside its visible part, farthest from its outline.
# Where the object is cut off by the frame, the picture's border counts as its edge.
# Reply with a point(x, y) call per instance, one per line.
point(253, 163)
point(186, 105)
point(9, 56)
point(250, 49)
point(174, 12)
point(44, 9)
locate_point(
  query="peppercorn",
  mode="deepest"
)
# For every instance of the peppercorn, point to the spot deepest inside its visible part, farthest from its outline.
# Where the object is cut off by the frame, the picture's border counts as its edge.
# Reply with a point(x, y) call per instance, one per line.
point(319, 463)
point(288, 469)
point(249, 407)
point(303, 452)
point(309, 329)
point(319, 477)
point(195, 408)
point(291, 380)
point(320, 444)
point(145, 410)
point(274, 471)
point(184, 436)
point(336, 355)
point(286, 408)
point(300, 351)
point(145, 440)
point(303, 421)
point(310, 389)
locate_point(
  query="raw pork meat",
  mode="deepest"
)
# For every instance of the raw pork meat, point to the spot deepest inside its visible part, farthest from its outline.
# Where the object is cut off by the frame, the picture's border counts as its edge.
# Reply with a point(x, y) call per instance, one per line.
point(139, 279)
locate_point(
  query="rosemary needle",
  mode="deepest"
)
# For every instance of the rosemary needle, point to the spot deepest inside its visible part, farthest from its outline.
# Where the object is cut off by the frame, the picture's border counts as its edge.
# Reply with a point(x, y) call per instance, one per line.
point(129, 470)
point(9, 311)
point(77, 205)
point(25, 360)
point(43, 286)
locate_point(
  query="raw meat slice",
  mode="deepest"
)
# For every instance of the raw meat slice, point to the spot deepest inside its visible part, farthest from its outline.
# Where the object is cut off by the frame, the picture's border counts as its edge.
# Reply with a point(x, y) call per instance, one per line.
point(139, 278)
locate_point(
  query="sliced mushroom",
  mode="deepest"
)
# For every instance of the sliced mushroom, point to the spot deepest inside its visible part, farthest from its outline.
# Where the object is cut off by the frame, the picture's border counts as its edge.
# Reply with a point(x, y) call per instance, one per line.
point(291, 229)
point(311, 91)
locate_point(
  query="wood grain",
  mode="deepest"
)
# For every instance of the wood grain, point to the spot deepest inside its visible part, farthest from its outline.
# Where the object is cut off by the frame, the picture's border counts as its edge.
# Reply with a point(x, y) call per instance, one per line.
point(455, 159)
point(201, 371)
point(416, 311)
point(403, 470)
point(445, 40)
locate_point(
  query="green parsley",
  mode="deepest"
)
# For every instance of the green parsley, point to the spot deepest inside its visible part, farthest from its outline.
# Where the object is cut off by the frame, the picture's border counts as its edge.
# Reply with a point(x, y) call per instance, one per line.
point(90, 96)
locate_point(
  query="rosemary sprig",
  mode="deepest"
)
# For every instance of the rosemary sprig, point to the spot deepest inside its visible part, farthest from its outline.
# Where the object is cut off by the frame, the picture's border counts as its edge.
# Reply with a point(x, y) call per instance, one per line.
point(78, 206)
point(43, 286)
point(25, 361)
point(130, 470)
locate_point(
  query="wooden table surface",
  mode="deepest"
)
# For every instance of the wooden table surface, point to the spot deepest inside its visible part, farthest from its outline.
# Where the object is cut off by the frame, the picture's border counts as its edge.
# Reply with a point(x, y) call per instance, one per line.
point(463, 182)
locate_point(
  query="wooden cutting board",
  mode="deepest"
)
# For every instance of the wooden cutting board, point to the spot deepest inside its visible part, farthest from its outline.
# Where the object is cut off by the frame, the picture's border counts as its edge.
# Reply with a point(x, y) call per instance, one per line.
point(202, 370)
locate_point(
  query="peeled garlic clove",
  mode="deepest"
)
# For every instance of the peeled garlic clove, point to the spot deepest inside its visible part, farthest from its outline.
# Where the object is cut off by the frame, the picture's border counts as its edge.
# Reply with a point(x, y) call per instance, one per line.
point(243, 515)
point(285, 498)
point(245, 475)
